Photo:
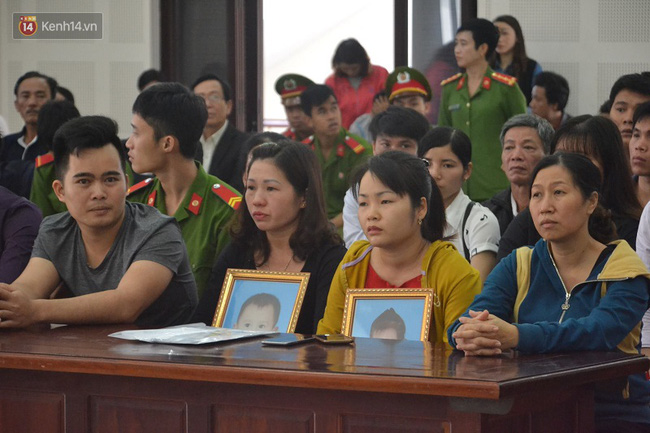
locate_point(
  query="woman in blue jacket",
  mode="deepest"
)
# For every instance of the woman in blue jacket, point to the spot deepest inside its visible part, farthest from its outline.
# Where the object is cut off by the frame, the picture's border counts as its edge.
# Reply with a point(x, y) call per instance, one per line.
point(574, 290)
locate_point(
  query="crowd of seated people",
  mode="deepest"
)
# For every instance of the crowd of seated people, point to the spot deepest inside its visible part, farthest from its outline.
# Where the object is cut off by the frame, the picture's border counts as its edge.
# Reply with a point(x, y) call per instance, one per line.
point(464, 208)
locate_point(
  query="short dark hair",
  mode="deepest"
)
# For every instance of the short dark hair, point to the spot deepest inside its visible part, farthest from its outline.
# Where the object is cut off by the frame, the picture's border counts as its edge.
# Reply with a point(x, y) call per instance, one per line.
point(483, 32)
point(407, 175)
point(67, 94)
point(299, 165)
point(149, 76)
point(641, 112)
point(262, 300)
point(598, 137)
point(556, 87)
point(398, 121)
point(605, 107)
point(225, 87)
point(87, 132)
point(350, 51)
point(586, 177)
point(315, 95)
point(172, 109)
point(637, 83)
point(389, 319)
point(440, 136)
point(51, 116)
point(51, 82)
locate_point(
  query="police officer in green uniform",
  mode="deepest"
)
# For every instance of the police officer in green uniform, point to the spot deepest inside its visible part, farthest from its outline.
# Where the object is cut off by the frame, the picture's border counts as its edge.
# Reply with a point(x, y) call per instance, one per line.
point(290, 87)
point(50, 118)
point(167, 122)
point(478, 102)
point(338, 151)
point(407, 87)
point(42, 194)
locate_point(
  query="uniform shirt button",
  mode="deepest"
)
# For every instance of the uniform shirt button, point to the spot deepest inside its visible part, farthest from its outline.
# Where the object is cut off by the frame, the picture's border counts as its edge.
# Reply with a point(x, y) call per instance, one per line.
point(468, 104)
point(467, 123)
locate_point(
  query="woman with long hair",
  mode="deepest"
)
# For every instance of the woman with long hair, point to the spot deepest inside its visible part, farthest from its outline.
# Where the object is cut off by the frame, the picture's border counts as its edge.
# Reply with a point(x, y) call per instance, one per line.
point(281, 226)
point(510, 55)
point(599, 140)
point(474, 228)
point(577, 289)
point(403, 218)
point(355, 80)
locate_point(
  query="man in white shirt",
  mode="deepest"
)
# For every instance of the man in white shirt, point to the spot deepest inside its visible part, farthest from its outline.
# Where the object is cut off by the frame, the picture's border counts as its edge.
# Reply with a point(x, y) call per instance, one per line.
point(397, 128)
point(221, 142)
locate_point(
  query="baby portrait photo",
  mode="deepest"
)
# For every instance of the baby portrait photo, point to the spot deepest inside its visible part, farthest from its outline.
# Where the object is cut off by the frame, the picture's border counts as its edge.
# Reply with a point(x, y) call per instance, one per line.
point(260, 301)
point(388, 314)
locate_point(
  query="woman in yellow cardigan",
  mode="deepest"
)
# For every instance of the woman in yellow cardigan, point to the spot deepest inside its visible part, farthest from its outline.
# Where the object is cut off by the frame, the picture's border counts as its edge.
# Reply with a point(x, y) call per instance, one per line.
point(402, 215)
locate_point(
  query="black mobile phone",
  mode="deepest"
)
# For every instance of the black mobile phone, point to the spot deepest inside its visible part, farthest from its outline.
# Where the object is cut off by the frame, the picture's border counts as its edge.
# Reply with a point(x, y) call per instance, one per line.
point(288, 340)
point(334, 339)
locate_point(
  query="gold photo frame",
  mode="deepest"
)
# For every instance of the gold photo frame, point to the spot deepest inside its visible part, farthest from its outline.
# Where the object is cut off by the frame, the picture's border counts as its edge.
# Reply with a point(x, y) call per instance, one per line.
point(388, 313)
point(260, 300)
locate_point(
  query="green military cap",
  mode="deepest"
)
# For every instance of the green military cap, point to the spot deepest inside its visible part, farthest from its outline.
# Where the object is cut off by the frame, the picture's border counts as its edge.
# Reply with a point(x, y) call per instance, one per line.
point(290, 87)
point(407, 80)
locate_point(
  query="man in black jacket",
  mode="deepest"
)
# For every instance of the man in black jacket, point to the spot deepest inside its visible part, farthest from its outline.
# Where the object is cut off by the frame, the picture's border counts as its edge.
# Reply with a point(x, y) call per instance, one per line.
point(221, 142)
point(19, 150)
point(525, 139)
point(550, 96)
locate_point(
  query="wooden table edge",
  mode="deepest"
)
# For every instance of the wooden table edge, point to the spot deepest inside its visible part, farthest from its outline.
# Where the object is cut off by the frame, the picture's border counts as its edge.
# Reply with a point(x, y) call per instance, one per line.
point(254, 376)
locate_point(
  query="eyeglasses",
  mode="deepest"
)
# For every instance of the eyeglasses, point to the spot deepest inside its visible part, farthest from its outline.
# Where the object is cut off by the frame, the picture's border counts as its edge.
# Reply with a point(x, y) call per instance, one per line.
point(212, 97)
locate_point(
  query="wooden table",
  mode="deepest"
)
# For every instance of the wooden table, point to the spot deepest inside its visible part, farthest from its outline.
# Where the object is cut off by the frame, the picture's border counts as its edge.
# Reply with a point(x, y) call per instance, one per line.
point(77, 379)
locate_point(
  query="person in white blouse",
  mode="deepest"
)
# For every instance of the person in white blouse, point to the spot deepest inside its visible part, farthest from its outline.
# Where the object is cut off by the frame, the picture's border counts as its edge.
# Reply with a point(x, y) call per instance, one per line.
point(643, 250)
point(473, 228)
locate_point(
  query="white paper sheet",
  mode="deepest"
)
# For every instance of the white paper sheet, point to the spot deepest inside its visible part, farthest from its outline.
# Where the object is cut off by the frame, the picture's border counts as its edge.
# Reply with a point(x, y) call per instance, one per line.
point(194, 333)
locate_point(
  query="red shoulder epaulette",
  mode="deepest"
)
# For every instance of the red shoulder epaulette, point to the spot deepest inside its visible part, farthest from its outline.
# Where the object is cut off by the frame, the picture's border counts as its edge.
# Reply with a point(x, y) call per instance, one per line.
point(503, 78)
point(44, 159)
point(289, 133)
point(354, 145)
point(139, 186)
point(450, 79)
point(309, 141)
point(227, 194)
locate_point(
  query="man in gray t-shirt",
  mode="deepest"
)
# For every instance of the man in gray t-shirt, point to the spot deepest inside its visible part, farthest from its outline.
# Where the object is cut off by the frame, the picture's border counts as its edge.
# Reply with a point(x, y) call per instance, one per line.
point(122, 262)
point(145, 234)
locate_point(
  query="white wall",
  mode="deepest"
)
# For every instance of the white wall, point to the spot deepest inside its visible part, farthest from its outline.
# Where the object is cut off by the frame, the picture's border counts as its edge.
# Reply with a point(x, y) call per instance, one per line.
point(102, 74)
point(294, 44)
point(590, 42)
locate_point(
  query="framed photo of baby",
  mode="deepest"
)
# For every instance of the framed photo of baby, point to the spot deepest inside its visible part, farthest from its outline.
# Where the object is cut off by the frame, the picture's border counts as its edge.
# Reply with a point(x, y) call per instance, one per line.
point(395, 314)
point(260, 301)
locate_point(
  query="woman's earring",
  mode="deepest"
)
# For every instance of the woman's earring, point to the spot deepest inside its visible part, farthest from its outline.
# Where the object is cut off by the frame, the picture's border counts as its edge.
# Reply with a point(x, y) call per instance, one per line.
point(419, 221)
